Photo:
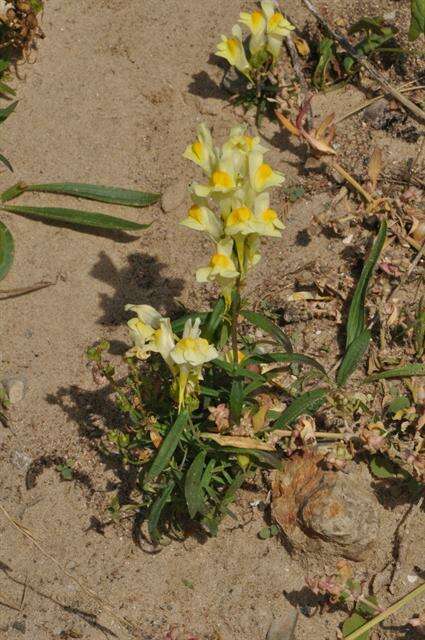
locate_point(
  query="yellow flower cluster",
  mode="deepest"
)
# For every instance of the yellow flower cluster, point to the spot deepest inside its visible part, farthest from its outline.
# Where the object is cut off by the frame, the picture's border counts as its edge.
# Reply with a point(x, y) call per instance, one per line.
point(238, 179)
point(267, 28)
point(185, 357)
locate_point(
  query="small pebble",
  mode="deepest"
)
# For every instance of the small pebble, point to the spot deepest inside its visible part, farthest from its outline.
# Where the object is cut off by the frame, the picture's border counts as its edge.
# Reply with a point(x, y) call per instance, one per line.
point(174, 195)
point(412, 578)
point(389, 16)
point(20, 460)
point(15, 389)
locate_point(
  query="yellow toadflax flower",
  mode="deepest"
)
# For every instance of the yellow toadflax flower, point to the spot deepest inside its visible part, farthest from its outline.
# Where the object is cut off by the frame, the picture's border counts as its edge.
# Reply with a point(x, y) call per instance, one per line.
point(266, 220)
point(201, 218)
point(256, 23)
point(201, 152)
point(150, 332)
point(277, 28)
point(190, 354)
point(223, 179)
point(232, 50)
point(221, 269)
point(261, 175)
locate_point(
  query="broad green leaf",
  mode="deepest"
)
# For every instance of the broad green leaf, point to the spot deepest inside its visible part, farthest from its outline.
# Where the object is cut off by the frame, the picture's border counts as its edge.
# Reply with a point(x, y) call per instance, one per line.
point(76, 217)
point(112, 195)
point(5, 113)
point(264, 323)
point(308, 402)
point(356, 315)
point(383, 468)
point(157, 509)
point(400, 372)
point(214, 319)
point(299, 358)
point(417, 20)
point(168, 447)
point(6, 162)
point(353, 356)
point(354, 622)
point(193, 486)
point(7, 249)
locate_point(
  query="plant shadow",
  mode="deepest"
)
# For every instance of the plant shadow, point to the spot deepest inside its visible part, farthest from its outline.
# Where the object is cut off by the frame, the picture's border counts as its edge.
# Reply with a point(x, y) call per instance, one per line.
point(139, 282)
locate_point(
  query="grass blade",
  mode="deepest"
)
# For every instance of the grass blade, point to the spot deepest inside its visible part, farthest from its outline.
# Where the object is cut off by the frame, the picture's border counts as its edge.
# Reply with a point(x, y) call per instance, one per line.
point(112, 195)
point(353, 357)
point(157, 509)
point(264, 323)
point(400, 372)
point(7, 249)
point(5, 113)
point(168, 447)
point(193, 485)
point(76, 217)
point(309, 401)
point(356, 315)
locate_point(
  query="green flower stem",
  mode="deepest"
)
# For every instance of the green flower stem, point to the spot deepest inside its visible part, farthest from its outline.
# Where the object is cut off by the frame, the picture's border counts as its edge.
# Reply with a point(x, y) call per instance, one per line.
point(388, 612)
point(236, 307)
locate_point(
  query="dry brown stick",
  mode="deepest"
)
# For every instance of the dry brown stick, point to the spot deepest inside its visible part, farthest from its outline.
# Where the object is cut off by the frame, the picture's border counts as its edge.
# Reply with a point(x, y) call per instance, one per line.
point(127, 624)
point(366, 104)
point(362, 60)
point(296, 63)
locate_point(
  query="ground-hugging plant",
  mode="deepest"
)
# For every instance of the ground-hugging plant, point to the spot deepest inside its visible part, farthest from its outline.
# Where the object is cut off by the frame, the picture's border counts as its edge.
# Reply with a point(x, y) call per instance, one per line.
point(256, 57)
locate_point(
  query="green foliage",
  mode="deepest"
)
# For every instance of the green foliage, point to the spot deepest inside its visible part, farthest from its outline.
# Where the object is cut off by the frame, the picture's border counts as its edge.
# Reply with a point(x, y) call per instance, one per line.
point(417, 22)
point(335, 65)
point(7, 248)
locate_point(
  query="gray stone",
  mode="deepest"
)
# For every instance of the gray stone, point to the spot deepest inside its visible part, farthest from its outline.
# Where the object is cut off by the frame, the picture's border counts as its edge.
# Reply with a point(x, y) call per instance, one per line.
point(15, 388)
point(283, 627)
point(174, 195)
point(21, 460)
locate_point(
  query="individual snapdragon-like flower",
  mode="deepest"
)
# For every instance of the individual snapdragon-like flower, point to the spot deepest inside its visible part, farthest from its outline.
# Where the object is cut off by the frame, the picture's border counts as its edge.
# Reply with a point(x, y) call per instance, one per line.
point(266, 219)
point(190, 354)
point(256, 23)
point(261, 175)
point(150, 332)
point(221, 269)
point(201, 218)
point(232, 50)
point(202, 152)
point(277, 27)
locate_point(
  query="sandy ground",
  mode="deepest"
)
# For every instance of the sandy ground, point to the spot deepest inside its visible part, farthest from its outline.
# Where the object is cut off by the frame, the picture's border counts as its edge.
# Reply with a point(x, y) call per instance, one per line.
point(114, 97)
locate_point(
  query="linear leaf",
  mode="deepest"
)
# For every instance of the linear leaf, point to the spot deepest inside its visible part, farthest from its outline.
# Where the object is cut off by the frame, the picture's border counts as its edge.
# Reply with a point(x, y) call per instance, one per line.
point(12, 192)
point(236, 400)
point(400, 372)
point(214, 319)
point(6, 162)
point(264, 323)
point(5, 113)
point(303, 404)
point(112, 195)
point(289, 357)
point(265, 457)
point(157, 509)
point(5, 89)
point(353, 357)
point(193, 485)
point(356, 315)
point(234, 370)
point(7, 249)
point(417, 21)
point(76, 217)
point(168, 447)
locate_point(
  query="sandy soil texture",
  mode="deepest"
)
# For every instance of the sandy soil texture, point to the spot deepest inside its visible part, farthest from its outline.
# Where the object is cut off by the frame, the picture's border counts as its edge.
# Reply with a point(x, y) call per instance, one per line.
point(114, 97)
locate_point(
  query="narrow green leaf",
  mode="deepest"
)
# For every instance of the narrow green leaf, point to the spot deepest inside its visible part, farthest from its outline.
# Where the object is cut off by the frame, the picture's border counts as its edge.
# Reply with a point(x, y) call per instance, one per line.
point(168, 447)
point(5, 113)
point(6, 90)
point(112, 195)
point(7, 249)
point(354, 622)
point(214, 319)
point(353, 357)
point(309, 401)
point(417, 20)
point(157, 509)
point(383, 468)
point(399, 403)
point(13, 192)
point(264, 323)
point(356, 315)
point(299, 358)
point(236, 400)
point(6, 162)
point(193, 485)
point(401, 372)
point(76, 217)
point(236, 371)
